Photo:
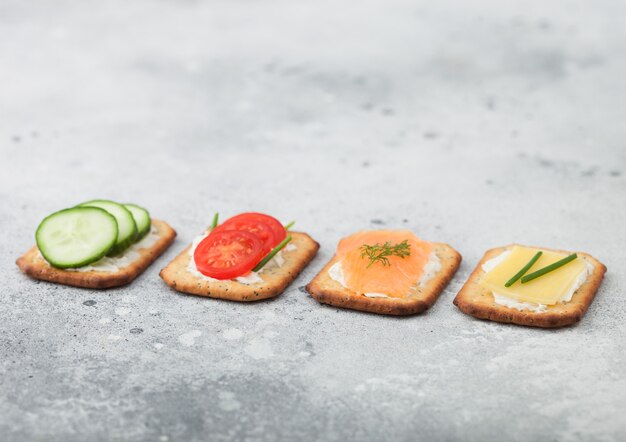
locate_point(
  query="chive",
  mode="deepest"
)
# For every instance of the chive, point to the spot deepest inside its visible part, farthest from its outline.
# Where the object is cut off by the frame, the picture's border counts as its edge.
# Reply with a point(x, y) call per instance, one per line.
point(271, 254)
point(523, 270)
point(215, 218)
point(290, 225)
point(548, 269)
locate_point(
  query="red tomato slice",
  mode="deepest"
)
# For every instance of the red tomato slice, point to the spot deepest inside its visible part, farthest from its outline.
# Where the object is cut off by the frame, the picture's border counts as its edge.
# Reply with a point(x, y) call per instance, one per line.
point(266, 227)
point(260, 230)
point(226, 254)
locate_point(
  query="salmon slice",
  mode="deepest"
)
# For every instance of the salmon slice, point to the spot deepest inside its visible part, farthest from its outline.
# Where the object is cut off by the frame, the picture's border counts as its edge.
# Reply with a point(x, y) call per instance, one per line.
point(394, 280)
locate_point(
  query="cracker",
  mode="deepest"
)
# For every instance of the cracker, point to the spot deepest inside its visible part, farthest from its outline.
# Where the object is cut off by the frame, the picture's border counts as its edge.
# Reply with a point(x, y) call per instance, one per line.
point(275, 279)
point(328, 291)
point(35, 266)
point(477, 301)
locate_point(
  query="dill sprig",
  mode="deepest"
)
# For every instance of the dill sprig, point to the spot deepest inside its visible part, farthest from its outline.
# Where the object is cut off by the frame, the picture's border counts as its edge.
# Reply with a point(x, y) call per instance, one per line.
point(380, 252)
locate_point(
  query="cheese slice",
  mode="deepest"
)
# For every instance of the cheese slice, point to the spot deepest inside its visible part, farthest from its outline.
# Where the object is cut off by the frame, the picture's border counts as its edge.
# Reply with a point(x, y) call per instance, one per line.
point(547, 289)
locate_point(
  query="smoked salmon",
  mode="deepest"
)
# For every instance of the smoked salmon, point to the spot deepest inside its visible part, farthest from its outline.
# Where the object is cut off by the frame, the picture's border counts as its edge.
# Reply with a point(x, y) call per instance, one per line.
point(367, 270)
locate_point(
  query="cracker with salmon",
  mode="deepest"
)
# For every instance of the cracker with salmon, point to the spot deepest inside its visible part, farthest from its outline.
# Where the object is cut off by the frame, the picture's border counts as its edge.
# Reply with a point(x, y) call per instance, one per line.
point(33, 264)
point(476, 300)
point(275, 279)
point(390, 288)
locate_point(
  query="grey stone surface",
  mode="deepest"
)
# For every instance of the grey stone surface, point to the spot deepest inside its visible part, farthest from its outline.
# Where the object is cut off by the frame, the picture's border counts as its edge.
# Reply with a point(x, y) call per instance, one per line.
point(476, 124)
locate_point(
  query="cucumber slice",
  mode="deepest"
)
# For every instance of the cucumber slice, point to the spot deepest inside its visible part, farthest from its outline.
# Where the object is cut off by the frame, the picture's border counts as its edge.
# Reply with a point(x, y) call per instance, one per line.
point(127, 229)
point(142, 219)
point(76, 237)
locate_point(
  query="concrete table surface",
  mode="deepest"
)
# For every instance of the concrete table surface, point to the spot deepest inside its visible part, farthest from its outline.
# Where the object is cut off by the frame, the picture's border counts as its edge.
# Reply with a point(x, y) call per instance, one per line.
point(474, 125)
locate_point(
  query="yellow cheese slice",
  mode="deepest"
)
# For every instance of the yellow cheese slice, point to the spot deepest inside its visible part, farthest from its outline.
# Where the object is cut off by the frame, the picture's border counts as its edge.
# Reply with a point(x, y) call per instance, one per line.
point(547, 289)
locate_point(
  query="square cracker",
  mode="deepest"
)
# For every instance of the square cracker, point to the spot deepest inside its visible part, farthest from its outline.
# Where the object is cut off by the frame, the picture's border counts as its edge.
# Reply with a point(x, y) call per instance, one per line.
point(275, 279)
point(328, 291)
point(477, 301)
point(35, 266)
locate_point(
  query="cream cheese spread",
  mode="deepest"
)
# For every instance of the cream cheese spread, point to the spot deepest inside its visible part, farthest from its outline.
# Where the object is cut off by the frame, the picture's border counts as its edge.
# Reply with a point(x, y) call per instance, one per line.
point(376, 295)
point(112, 264)
point(531, 306)
point(336, 273)
point(517, 305)
point(432, 267)
point(430, 270)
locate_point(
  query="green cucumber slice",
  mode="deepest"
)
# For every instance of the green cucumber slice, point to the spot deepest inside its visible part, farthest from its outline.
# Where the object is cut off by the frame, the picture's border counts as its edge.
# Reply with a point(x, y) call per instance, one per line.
point(142, 219)
point(76, 237)
point(127, 229)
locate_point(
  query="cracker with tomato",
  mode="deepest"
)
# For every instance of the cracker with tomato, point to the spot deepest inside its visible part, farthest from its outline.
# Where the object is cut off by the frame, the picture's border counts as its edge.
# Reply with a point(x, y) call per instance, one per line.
point(248, 257)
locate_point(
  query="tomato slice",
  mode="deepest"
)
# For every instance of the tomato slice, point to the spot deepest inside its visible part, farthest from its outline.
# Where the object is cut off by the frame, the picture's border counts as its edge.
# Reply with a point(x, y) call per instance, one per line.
point(226, 254)
point(259, 229)
point(266, 227)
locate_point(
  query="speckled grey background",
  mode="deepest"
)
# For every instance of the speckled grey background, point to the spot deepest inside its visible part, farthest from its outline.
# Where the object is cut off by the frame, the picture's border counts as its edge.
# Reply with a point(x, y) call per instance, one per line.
point(476, 124)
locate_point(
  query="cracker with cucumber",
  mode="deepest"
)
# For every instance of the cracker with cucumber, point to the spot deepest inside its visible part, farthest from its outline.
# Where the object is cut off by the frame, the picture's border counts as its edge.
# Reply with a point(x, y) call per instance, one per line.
point(97, 244)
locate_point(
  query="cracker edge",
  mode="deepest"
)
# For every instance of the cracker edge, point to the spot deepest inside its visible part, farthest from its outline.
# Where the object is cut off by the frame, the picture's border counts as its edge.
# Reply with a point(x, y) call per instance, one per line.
point(232, 290)
point(574, 311)
point(345, 298)
point(32, 266)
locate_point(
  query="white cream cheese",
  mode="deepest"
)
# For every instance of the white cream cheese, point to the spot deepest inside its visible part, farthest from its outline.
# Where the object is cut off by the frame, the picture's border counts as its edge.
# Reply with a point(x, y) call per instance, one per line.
point(251, 278)
point(506, 301)
point(375, 295)
point(147, 241)
point(492, 263)
point(336, 273)
point(517, 305)
point(430, 270)
point(111, 264)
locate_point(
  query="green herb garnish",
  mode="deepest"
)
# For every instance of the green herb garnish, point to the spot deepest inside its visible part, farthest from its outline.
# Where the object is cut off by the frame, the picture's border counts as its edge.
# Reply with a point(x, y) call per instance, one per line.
point(271, 254)
point(380, 252)
point(289, 225)
point(548, 269)
point(215, 218)
point(523, 270)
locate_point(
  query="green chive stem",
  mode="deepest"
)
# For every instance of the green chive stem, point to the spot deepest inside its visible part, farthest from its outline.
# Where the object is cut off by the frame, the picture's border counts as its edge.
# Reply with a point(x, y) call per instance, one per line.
point(290, 225)
point(215, 218)
point(548, 269)
point(523, 270)
point(271, 254)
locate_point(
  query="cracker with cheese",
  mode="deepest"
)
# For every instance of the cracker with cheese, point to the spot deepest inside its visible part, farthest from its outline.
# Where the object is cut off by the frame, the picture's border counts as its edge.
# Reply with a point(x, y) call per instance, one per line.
point(531, 286)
